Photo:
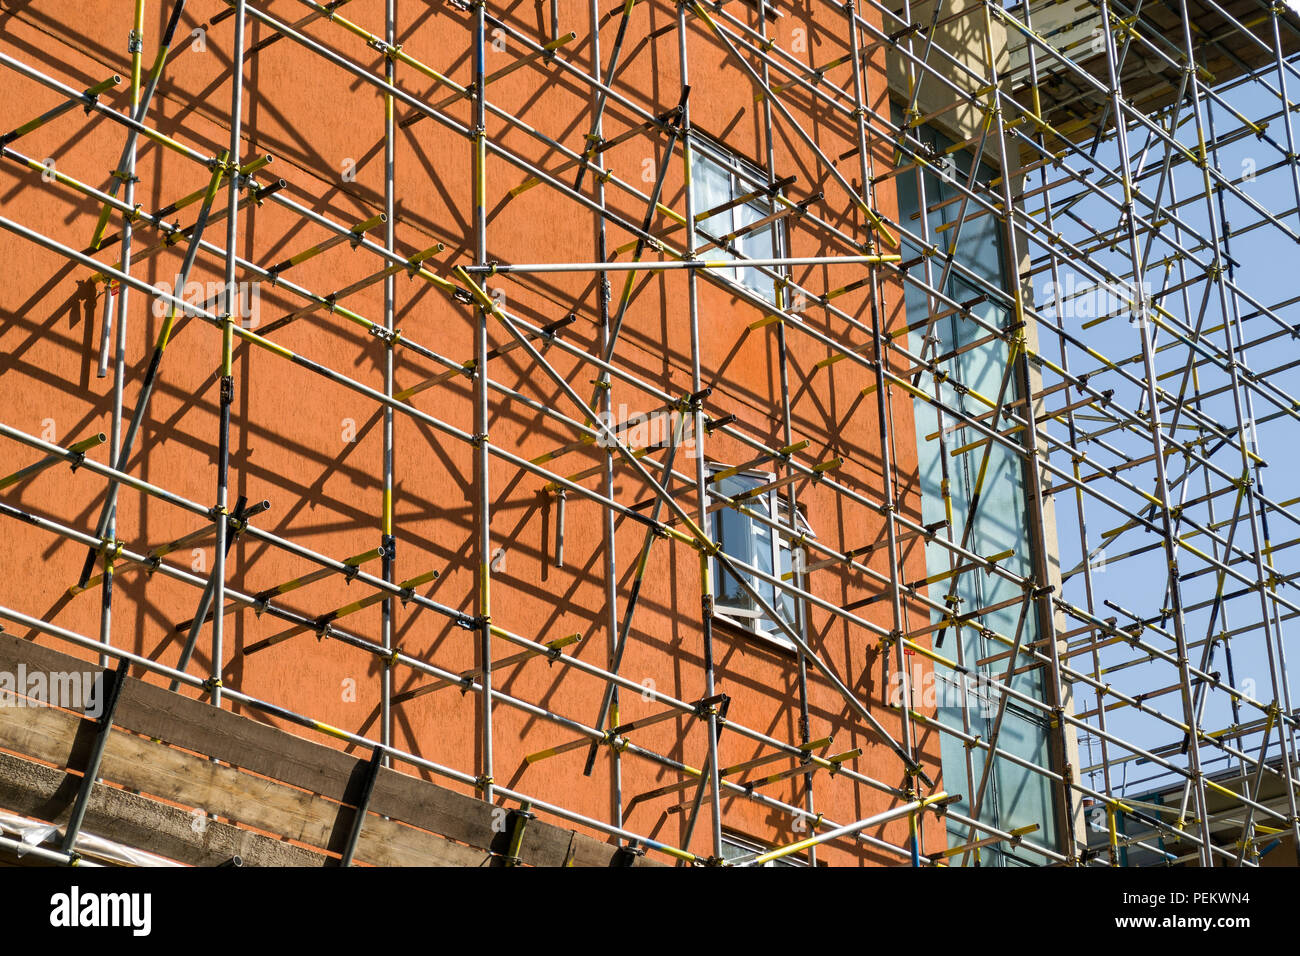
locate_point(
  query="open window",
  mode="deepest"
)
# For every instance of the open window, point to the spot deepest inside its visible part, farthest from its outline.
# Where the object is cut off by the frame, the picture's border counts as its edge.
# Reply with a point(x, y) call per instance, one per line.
point(740, 210)
point(747, 534)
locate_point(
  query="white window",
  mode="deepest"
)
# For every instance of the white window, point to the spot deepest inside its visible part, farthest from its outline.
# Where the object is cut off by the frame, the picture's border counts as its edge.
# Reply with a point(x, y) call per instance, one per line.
point(735, 195)
point(738, 850)
point(756, 543)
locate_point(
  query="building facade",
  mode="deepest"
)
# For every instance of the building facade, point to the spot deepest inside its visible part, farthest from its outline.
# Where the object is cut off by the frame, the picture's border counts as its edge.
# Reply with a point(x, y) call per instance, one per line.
point(635, 417)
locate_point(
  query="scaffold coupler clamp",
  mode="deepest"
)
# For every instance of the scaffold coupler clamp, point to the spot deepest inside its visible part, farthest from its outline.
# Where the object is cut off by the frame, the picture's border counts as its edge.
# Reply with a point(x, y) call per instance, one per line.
point(519, 818)
point(383, 333)
point(626, 855)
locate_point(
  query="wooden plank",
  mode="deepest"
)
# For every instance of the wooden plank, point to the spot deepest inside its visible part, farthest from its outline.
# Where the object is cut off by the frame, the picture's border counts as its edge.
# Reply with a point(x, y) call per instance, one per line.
point(175, 775)
point(31, 789)
point(263, 749)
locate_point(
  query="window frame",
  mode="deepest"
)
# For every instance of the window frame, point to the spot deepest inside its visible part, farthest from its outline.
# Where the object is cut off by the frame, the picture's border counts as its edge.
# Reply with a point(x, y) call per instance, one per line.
point(750, 619)
point(744, 176)
point(752, 848)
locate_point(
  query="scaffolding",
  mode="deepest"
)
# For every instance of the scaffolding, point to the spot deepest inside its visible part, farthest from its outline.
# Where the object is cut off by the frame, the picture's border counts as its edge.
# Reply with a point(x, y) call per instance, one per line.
point(1141, 353)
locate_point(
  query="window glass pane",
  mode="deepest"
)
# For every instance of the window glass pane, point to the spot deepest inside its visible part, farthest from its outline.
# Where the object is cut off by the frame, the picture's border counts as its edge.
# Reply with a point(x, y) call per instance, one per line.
point(734, 851)
point(735, 538)
point(739, 539)
point(784, 602)
point(763, 552)
point(734, 848)
point(758, 244)
point(711, 187)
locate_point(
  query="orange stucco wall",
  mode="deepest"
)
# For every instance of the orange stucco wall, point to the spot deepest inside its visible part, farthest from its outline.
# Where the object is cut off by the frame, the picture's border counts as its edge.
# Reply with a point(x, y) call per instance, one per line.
point(289, 429)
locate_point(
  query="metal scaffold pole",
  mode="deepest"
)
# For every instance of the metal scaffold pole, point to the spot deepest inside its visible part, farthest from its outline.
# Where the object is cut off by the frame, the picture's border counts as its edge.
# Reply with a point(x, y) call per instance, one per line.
point(1019, 237)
